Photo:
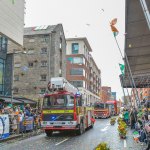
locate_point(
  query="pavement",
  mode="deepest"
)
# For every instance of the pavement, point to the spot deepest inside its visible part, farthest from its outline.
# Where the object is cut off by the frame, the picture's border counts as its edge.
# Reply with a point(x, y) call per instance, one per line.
point(102, 132)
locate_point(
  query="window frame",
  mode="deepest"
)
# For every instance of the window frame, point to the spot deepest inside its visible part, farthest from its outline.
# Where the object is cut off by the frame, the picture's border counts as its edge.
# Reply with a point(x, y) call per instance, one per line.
point(73, 48)
point(43, 79)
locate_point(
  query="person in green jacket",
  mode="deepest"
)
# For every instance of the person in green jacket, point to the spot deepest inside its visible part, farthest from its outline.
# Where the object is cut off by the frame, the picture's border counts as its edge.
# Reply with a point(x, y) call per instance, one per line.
point(126, 116)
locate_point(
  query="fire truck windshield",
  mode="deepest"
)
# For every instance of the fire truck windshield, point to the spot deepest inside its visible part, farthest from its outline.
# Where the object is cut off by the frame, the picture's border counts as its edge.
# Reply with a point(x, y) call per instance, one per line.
point(58, 101)
point(99, 105)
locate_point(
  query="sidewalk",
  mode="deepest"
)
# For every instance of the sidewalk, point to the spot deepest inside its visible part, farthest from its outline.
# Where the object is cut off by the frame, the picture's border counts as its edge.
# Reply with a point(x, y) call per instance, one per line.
point(23, 135)
point(131, 144)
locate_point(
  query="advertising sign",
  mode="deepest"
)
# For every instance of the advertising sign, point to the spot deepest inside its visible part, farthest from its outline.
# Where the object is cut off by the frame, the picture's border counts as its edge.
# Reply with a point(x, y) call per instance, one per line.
point(4, 126)
point(12, 19)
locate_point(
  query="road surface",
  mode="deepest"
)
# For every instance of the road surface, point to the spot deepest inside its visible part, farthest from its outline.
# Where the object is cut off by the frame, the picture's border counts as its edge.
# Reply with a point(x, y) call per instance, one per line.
point(102, 132)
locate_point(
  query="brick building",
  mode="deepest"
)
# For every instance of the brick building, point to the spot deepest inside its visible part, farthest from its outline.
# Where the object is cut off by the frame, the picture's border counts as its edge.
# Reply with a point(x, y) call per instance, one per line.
point(82, 70)
point(105, 93)
point(45, 57)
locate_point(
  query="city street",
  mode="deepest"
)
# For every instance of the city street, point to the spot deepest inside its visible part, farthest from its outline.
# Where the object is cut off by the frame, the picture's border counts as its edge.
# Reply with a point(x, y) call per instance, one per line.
point(102, 132)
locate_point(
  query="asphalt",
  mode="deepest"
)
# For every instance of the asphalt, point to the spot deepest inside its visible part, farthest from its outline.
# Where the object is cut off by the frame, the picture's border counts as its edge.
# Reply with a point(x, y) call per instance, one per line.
point(102, 132)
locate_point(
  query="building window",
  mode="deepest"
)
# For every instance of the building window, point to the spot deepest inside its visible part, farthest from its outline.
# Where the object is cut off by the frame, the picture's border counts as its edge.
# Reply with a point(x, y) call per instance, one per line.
point(60, 44)
point(16, 90)
point(16, 77)
point(31, 40)
point(77, 83)
point(75, 48)
point(17, 65)
point(44, 50)
point(77, 71)
point(3, 43)
point(44, 63)
point(76, 60)
point(2, 67)
point(45, 39)
point(43, 90)
point(30, 51)
point(30, 64)
point(43, 77)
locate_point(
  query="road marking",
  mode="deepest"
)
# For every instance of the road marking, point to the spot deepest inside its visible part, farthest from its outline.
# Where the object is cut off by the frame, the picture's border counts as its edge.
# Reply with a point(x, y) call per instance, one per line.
point(125, 143)
point(62, 141)
point(106, 128)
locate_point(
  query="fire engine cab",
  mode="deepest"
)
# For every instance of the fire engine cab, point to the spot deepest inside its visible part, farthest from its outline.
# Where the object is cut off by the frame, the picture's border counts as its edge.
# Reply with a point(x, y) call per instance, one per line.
point(64, 109)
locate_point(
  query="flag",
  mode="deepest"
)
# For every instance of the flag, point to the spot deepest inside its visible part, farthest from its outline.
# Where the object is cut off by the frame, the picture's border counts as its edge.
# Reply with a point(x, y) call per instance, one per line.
point(122, 68)
point(113, 22)
point(113, 28)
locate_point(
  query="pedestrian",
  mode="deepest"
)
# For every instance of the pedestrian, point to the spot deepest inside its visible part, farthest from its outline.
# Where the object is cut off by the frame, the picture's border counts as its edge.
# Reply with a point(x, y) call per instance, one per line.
point(133, 117)
point(28, 110)
point(126, 116)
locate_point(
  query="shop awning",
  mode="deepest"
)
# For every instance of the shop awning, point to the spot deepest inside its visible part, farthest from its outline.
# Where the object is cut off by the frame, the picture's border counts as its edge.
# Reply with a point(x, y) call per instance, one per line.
point(137, 44)
point(26, 101)
point(8, 100)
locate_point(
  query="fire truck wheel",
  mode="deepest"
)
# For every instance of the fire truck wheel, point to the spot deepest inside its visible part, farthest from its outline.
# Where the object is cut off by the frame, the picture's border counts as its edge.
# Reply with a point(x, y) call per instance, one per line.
point(81, 128)
point(48, 133)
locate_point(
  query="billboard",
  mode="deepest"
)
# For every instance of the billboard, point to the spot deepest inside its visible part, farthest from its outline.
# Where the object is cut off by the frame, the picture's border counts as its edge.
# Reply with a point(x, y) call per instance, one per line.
point(12, 19)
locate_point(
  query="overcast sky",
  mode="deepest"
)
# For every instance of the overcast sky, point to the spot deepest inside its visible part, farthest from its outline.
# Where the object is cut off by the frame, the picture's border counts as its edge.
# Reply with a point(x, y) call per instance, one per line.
point(75, 15)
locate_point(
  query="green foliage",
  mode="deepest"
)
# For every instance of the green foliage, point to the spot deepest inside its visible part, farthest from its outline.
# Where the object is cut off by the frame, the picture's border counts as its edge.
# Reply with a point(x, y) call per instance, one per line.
point(122, 128)
point(112, 121)
point(102, 146)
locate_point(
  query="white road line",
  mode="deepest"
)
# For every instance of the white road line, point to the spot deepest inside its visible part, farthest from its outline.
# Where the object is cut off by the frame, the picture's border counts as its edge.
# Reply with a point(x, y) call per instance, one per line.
point(125, 143)
point(62, 141)
point(104, 128)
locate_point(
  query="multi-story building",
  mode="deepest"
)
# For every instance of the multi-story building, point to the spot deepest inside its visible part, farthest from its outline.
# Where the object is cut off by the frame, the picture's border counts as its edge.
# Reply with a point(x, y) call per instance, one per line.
point(11, 28)
point(143, 93)
point(45, 57)
point(105, 93)
point(3, 65)
point(82, 70)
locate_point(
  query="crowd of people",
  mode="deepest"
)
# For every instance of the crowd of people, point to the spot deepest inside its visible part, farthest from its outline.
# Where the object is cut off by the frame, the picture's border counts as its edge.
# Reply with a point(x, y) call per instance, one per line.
point(139, 122)
point(19, 114)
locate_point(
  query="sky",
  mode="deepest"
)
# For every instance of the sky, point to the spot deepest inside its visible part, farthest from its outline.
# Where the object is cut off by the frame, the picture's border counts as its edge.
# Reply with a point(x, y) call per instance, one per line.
point(86, 18)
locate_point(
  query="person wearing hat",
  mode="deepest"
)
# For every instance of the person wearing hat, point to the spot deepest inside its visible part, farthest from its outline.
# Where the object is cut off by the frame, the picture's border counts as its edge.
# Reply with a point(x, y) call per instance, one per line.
point(27, 110)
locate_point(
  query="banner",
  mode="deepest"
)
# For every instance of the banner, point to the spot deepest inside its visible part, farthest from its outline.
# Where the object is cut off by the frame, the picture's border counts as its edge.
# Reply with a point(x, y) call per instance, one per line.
point(4, 126)
point(27, 124)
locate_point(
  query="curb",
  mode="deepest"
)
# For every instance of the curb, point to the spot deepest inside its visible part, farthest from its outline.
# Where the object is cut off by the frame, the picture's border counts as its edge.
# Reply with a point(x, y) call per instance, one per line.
point(11, 138)
point(23, 136)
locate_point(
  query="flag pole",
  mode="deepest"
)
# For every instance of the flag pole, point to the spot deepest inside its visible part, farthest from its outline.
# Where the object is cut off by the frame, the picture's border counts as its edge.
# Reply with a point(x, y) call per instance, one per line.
point(128, 66)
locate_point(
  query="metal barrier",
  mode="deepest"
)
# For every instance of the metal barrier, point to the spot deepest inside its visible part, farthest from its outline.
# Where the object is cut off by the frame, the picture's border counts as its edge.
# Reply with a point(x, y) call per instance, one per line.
point(14, 124)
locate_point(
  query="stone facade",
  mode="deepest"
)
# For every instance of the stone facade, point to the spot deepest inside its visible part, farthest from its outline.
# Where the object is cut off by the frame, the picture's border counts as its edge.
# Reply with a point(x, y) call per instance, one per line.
point(44, 57)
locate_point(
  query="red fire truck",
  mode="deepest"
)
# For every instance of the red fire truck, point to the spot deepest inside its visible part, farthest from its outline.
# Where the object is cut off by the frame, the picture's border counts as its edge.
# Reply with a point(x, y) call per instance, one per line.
point(113, 105)
point(63, 108)
point(101, 110)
